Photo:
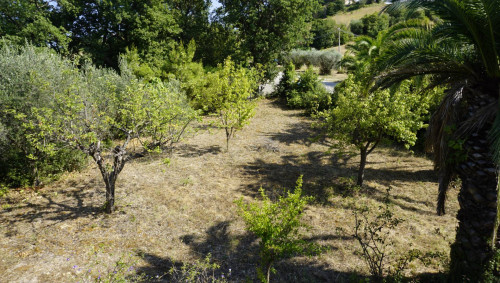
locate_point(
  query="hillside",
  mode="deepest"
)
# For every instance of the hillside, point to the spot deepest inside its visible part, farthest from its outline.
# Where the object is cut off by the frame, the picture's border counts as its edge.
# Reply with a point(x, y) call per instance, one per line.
point(345, 18)
point(179, 208)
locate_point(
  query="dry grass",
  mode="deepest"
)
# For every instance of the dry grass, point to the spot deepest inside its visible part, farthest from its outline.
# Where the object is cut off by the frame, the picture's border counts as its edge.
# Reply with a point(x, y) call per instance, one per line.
point(343, 49)
point(179, 211)
point(346, 17)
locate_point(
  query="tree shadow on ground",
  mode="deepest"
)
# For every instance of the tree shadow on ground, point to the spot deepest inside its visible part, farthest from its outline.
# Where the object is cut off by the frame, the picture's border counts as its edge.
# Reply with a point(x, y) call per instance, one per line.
point(323, 172)
point(49, 209)
point(388, 174)
point(158, 267)
point(238, 255)
point(323, 180)
point(238, 260)
point(300, 133)
point(188, 150)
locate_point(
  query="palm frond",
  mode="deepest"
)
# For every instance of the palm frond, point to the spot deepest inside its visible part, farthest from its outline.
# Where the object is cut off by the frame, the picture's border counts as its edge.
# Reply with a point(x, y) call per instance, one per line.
point(445, 177)
point(476, 21)
point(479, 119)
point(438, 136)
point(442, 120)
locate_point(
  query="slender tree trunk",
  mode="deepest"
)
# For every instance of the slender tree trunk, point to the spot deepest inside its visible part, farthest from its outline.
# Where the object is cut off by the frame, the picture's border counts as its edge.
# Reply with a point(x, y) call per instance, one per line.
point(476, 234)
point(109, 176)
point(229, 134)
point(110, 196)
point(362, 165)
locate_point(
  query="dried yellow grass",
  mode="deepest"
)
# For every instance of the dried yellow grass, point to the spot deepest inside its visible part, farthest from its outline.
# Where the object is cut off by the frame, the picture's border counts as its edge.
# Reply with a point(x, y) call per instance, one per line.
point(177, 212)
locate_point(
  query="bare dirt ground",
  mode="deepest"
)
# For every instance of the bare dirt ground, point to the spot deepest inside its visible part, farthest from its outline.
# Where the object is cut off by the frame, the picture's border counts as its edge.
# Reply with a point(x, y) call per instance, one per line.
point(179, 208)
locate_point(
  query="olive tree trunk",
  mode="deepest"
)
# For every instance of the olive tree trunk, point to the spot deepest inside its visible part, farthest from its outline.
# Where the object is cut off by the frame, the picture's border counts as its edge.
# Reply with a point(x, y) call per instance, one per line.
point(109, 174)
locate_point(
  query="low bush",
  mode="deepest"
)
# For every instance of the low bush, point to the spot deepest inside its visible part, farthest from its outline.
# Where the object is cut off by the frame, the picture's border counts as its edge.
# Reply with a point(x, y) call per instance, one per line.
point(374, 231)
point(373, 235)
point(278, 225)
point(307, 92)
point(328, 61)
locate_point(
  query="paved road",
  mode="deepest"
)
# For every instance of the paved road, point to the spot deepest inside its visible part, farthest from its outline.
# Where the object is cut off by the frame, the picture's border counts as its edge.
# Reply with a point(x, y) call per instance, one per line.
point(330, 86)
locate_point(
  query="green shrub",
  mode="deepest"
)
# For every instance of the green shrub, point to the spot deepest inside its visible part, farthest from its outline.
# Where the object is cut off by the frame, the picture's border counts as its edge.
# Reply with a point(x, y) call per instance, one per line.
point(168, 127)
point(325, 60)
point(309, 93)
point(296, 58)
point(311, 57)
point(328, 61)
point(356, 27)
point(287, 81)
point(278, 225)
point(30, 77)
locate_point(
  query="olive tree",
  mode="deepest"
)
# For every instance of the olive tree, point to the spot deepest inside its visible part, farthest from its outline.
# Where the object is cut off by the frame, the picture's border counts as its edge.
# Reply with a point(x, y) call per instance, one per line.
point(100, 116)
point(28, 79)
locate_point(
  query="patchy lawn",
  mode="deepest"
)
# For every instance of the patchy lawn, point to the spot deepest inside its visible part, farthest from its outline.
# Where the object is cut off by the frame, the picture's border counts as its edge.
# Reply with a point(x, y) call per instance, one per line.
point(177, 209)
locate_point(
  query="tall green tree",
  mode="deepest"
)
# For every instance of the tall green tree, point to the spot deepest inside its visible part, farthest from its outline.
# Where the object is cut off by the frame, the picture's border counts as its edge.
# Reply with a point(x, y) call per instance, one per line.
point(325, 34)
point(103, 29)
point(462, 53)
point(267, 27)
point(192, 16)
point(32, 21)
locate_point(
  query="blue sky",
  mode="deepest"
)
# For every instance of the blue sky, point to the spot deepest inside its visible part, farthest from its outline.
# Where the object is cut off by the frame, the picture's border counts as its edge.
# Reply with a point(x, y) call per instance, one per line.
point(215, 5)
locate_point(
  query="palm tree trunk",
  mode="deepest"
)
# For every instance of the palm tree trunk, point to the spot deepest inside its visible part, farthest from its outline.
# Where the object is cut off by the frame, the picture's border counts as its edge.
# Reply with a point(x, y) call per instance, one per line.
point(475, 239)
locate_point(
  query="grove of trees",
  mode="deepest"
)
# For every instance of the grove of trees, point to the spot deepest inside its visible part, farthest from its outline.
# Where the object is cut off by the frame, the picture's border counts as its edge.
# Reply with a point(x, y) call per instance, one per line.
point(84, 80)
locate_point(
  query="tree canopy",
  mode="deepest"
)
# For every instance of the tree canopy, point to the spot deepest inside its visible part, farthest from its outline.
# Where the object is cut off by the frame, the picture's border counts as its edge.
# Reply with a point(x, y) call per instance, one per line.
point(267, 28)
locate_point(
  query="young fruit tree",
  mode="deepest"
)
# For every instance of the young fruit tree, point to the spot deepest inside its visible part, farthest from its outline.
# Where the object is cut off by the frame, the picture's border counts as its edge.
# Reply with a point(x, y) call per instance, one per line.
point(230, 94)
point(363, 118)
point(278, 225)
point(100, 117)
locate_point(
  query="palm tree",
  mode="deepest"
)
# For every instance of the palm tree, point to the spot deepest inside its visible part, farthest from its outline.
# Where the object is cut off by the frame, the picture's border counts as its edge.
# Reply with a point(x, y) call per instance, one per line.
point(460, 51)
